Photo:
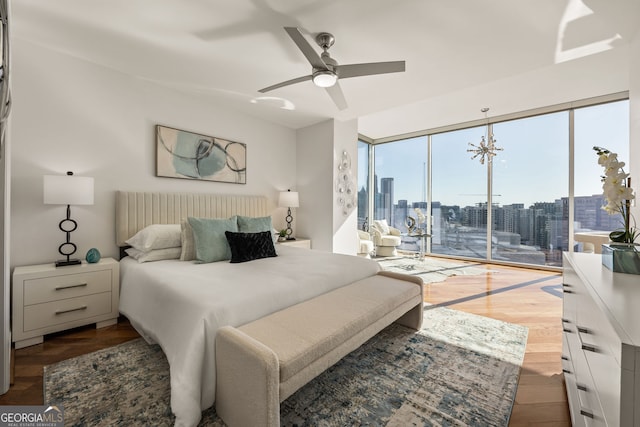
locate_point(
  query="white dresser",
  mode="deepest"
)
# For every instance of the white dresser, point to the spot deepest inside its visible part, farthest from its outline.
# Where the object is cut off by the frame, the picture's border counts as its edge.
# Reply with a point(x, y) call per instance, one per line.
point(47, 299)
point(601, 342)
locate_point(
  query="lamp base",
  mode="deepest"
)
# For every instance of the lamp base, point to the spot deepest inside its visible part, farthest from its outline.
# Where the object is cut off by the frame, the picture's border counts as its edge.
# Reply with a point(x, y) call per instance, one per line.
point(291, 238)
point(65, 262)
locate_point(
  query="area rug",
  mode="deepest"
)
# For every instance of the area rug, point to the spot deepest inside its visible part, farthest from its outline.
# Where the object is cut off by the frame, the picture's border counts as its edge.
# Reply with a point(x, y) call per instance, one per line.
point(431, 270)
point(460, 369)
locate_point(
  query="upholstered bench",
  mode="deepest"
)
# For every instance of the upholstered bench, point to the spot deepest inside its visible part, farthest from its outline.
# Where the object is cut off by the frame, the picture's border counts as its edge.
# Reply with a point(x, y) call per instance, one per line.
point(260, 364)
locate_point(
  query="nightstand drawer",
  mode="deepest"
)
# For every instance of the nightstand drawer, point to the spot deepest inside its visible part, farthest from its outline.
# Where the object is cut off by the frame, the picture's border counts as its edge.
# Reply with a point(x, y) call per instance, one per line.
point(47, 289)
point(298, 243)
point(62, 311)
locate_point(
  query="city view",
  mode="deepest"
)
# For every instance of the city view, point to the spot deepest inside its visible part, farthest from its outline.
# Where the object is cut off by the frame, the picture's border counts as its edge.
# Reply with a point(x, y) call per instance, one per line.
point(528, 179)
point(533, 234)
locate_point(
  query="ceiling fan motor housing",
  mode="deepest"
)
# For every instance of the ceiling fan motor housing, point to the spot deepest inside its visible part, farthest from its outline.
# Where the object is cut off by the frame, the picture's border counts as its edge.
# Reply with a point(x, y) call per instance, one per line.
point(325, 40)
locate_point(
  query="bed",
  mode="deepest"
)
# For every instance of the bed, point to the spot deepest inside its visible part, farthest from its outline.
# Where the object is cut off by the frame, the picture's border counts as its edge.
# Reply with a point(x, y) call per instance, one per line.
point(180, 305)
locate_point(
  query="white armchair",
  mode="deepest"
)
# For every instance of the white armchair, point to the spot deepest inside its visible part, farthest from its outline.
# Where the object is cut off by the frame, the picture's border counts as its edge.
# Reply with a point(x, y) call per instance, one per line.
point(385, 237)
point(366, 244)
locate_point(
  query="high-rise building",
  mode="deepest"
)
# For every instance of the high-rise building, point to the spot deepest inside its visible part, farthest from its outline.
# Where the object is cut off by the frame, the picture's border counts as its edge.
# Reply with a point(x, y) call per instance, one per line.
point(386, 199)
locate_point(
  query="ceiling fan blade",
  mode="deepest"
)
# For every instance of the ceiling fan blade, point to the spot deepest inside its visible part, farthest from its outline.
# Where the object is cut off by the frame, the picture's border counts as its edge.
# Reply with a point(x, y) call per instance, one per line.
point(287, 83)
point(308, 51)
point(335, 92)
point(357, 70)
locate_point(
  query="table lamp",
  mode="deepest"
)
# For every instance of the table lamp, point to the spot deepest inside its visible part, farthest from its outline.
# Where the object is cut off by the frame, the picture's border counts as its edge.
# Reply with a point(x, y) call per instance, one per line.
point(68, 190)
point(289, 199)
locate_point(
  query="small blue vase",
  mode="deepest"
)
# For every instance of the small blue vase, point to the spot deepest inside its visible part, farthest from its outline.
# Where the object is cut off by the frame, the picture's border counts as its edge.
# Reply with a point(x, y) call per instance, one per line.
point(93, 256)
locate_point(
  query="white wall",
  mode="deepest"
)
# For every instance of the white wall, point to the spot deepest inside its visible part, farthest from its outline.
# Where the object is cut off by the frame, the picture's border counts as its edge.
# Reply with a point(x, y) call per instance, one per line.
point(319, 216)
point(69, 114)
point(345, 238)
point(314, 158)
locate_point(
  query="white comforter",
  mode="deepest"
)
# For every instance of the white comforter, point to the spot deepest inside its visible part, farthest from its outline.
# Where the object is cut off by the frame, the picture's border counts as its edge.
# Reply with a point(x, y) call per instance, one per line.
point(180, 305)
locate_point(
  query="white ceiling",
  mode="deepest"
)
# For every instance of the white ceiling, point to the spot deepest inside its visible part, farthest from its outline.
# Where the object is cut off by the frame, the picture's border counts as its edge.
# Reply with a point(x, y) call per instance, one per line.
point(227, 50)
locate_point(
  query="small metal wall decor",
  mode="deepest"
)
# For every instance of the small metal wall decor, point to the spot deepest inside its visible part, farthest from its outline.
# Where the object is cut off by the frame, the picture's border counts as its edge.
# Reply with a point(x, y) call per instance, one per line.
point(182, 154)
point(345, 187)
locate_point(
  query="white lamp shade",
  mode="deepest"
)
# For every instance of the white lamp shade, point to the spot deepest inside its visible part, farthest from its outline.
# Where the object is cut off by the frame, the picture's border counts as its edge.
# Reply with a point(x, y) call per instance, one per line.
point(68, 190)
point(288, 199)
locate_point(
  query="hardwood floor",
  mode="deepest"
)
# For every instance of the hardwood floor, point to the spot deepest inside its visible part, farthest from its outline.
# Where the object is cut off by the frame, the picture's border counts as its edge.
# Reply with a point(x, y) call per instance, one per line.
point(26, 388)
point(531, 298)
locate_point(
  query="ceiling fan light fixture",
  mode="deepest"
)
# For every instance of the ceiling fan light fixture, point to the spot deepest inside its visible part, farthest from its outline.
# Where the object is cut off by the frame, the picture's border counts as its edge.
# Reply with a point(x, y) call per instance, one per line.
point(324, 78)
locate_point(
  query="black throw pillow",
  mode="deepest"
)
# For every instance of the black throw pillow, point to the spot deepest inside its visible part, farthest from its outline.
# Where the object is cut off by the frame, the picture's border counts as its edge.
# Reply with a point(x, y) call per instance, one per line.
point(249, 246)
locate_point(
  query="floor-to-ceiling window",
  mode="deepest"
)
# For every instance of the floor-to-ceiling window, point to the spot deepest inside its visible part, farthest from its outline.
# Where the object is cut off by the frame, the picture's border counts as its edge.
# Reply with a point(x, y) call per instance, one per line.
point(400, 183)
point(605, 126)
point(521, 199)
point(459, 195)
point(531, 189)
point(363, 185)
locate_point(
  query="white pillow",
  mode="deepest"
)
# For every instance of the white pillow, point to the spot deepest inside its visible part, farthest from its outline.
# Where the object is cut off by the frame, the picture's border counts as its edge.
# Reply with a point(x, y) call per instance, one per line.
point(383, 226)
point(154, 254)
point(156, 236)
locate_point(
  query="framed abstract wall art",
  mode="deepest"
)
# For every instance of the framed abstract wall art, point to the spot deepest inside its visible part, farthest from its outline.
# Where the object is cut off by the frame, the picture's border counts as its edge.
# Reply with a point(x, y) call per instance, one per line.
point(188, 155)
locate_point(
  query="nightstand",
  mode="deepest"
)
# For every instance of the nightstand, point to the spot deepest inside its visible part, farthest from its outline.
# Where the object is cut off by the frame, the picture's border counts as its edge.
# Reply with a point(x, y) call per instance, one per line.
point(300, 242)
point(47, 299)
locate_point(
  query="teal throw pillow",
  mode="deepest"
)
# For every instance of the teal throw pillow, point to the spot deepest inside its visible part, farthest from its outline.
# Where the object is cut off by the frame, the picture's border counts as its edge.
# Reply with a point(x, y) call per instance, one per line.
point(210, 240)
point(248, 224)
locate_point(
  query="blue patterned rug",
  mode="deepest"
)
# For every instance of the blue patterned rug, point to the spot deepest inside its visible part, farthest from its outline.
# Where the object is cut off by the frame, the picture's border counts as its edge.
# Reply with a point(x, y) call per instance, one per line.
point(460, 369)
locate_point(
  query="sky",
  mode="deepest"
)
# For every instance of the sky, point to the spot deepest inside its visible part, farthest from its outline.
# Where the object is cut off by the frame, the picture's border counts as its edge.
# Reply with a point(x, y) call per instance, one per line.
point(532, 167)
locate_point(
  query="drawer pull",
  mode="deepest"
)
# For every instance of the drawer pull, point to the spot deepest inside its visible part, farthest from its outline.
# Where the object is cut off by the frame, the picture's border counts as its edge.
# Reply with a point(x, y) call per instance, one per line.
point(565, 320)
point(581, 387)
point(590, 348)
point(583, 330)
point(586, 413)
point(81, 285)
point(566, 371)
point(567, 291)
point(569, 331)
point(565, 358)
point(84, 307)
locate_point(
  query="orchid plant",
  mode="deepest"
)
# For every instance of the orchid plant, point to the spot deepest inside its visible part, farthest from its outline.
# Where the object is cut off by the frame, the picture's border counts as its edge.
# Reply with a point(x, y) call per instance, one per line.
point(616, 187)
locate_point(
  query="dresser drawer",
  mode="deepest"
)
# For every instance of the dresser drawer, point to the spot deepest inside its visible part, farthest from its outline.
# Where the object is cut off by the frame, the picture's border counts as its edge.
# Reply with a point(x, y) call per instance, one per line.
point(68, 310)
point(595, 330)
point(589, 409)
point(605, 372)
point(55, 288)
point(569, 295)
point(577, 420)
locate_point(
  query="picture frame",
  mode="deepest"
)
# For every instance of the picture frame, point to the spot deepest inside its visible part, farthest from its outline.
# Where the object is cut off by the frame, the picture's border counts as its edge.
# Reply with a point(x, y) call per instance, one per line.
point(189, 155)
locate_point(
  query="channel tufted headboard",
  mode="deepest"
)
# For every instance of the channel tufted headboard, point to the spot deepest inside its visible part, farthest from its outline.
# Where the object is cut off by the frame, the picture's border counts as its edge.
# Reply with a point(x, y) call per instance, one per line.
point(136, 210)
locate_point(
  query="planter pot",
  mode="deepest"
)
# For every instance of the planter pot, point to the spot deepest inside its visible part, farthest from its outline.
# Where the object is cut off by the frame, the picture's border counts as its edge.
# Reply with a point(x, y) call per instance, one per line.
point(621, 257)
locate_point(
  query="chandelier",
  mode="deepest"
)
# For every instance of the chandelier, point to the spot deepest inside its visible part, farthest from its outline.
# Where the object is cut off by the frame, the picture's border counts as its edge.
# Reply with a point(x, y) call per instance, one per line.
point(486, 149)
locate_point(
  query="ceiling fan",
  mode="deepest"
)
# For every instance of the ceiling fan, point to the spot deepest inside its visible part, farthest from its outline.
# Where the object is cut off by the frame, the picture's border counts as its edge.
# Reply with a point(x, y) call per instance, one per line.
point(325, 71)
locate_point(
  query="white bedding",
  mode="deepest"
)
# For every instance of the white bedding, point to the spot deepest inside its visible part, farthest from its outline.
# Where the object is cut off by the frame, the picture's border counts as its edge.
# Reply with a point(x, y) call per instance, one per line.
point(180, 305)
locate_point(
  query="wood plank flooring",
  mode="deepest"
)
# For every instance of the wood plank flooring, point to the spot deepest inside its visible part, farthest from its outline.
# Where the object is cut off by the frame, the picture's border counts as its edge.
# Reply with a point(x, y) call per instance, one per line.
point(531, 298)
